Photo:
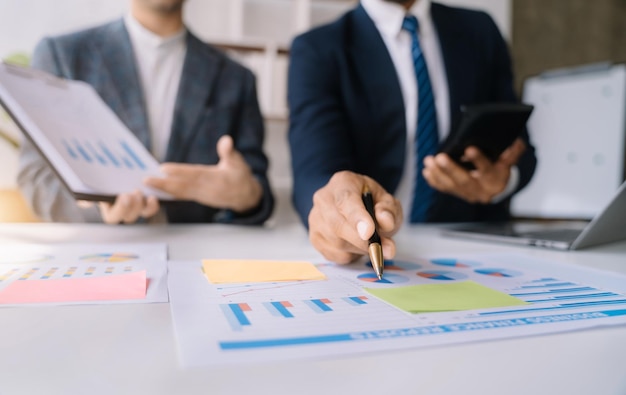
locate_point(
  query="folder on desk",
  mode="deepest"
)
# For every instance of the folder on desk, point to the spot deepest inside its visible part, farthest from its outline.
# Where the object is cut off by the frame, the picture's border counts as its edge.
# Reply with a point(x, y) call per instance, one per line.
point(95, 155)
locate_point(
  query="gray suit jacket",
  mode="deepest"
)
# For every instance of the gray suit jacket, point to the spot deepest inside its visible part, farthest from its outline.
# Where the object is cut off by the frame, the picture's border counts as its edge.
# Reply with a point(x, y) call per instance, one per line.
point(216, 96)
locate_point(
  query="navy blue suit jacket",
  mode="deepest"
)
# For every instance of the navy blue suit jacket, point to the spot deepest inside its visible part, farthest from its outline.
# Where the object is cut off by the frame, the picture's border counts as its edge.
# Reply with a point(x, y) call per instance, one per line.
point(347, 110)
point(216, 96)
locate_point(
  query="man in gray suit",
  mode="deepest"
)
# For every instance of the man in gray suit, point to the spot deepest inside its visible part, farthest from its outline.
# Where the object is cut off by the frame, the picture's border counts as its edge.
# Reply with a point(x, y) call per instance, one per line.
point(187, 102)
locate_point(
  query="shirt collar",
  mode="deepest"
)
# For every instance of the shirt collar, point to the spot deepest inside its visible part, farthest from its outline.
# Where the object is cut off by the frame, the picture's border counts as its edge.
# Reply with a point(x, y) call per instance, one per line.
point(388, 16)
point(146, 38)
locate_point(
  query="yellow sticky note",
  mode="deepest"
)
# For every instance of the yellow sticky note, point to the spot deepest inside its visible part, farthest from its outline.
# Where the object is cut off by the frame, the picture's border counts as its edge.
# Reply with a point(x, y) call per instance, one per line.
point(464, 295)
point(219, 271)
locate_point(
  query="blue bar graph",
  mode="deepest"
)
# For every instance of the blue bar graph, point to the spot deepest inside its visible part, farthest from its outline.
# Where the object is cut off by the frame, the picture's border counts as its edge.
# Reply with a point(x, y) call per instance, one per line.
point(559, 307)
point(564, 284)
point(133, 155)
point(235, 315)
point(433, 330)
point(82, 151)
point(553, 291)
point(99, 153)
point(356, 300)
point(127, 163)
point(319, 305)
point(95, 153)
point(279, 309)
point(572, 297)
point(108, 154)
point(69, 149)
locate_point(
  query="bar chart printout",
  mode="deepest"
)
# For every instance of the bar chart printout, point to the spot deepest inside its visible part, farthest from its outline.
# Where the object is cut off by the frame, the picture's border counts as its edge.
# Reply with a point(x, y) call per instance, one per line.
point(89, 147)
point(258, 322)
point(82, 274)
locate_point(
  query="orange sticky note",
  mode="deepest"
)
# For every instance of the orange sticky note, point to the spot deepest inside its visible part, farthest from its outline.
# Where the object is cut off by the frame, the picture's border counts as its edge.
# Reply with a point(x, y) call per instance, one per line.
point(219, 271)
point(112, 287)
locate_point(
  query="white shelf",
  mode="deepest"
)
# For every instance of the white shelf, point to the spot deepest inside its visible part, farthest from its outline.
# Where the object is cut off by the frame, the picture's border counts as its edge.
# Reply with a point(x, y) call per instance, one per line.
point(258, 33)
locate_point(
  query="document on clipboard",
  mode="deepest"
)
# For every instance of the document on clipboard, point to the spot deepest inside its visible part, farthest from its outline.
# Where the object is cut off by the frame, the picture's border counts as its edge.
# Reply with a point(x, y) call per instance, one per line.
point(95, 155)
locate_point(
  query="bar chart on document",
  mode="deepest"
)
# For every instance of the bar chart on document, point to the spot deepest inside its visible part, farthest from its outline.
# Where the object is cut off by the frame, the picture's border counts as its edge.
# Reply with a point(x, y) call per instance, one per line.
point(90, 148)
point(34, 274)
point(256, 322)
point(109, 159)
point(114, 166)
point(99, 153)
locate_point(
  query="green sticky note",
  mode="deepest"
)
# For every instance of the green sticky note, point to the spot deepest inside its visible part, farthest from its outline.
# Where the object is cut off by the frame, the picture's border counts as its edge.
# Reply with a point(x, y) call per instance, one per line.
point(425, 298)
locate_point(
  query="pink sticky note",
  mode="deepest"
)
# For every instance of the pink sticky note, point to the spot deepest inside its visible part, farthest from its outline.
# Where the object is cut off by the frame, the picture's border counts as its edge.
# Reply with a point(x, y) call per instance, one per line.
point(112, 287)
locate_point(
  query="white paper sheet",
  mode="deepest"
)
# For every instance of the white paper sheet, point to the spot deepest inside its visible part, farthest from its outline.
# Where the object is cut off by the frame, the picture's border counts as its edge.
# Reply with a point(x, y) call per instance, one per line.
point(90, 148)
point(255, 323)
point(25, 262)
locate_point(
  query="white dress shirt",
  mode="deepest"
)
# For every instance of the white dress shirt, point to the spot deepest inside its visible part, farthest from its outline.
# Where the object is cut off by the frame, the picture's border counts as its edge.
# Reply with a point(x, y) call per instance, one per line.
point(160, 65)
point(388, 18)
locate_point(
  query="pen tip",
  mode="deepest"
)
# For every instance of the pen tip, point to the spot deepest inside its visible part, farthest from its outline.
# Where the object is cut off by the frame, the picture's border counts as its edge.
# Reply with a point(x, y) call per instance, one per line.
point(376, 257)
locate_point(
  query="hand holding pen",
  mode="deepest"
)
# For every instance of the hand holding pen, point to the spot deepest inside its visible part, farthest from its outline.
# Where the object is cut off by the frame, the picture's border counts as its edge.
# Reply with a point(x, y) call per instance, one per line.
point(339, 224)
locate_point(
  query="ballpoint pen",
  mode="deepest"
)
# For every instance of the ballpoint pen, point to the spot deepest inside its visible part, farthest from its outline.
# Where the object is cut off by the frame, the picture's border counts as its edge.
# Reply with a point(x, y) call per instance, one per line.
point(375, 247)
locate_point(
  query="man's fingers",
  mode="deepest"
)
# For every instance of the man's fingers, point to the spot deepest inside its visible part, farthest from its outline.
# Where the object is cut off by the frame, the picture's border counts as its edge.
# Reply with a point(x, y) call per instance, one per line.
point(388, 209)
point(389, 248)
point(436, 175)
point(133, 209)
point(181, 180)
point(480, 161)
point(334, 249)
point(181, 170)
point(512, 154)
point(225, 146)
point(340, 225)
point(227, 152)
point(127, 208)
point(114, 213)
point(334, 214)
point(151, 207)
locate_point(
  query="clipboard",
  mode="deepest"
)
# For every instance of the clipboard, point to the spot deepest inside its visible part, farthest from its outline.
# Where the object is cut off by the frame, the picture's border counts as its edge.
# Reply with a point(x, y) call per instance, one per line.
point(89, 148)
point(491, 127)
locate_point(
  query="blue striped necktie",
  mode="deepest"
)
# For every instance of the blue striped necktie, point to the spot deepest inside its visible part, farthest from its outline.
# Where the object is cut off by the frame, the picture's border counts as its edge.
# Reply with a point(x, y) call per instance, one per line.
point(427, 137)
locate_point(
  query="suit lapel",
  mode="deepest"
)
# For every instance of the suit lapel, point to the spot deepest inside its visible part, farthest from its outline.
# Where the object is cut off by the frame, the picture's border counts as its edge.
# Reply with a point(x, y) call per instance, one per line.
point(120, 87)
point(377, 76)
point(197, 85)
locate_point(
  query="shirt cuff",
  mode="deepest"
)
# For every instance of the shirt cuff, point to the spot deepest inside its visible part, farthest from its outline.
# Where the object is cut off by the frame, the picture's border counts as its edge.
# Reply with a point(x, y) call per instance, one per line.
point(511, 186)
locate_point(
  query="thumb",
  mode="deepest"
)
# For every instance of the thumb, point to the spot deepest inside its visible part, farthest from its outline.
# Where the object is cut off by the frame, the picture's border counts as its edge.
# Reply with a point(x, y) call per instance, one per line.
point(225, 148)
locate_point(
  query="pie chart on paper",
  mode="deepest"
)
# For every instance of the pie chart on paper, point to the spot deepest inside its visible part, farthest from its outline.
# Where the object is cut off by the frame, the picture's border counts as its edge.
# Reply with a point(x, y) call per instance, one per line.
point(498, 272)
point(451, 262)
point(388, 278)
point(109, 257)
point(444, 275)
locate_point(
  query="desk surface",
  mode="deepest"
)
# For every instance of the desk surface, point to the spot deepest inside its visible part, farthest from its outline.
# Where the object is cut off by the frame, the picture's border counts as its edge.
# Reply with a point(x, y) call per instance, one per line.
point(130, 349)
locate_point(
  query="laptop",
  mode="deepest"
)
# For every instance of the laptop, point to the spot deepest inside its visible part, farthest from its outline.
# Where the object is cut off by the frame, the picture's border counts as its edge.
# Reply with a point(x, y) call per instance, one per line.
point(606, 227)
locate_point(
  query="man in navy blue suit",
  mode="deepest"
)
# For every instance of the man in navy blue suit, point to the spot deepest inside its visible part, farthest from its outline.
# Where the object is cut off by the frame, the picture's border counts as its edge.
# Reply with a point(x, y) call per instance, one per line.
point(187, 102)
point(353, 99)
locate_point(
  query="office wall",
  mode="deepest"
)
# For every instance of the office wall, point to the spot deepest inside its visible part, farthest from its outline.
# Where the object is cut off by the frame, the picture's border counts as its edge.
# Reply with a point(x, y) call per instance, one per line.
point(23, 22)
point(550, 34)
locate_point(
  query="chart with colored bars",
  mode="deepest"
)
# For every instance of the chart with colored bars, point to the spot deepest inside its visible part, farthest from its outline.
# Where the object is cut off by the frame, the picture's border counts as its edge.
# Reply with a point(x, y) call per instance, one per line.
point(242, 323)
point(101, 154)
point(67, 262)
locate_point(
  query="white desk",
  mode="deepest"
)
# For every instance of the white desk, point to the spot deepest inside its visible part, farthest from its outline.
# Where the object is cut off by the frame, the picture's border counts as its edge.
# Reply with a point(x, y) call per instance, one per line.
point(130, 349)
